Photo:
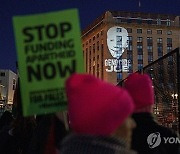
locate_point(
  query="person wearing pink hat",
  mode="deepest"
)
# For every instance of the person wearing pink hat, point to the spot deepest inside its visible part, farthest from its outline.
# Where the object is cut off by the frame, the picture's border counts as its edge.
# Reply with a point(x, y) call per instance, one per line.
point(148, 136)
point(99, 115)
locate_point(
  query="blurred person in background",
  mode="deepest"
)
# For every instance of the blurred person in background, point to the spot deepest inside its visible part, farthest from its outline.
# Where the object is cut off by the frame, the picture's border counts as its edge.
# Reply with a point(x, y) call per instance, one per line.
point(141, 89)
point(99, 115)
point(5, 121)
point(16, 140)
point(48, 135)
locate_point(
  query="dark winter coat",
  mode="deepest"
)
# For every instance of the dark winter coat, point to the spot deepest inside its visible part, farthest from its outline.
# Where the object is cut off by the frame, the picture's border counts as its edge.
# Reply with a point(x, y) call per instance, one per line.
point(48, 135)
point(85, 144)
point(147, 125)
point(8, 144)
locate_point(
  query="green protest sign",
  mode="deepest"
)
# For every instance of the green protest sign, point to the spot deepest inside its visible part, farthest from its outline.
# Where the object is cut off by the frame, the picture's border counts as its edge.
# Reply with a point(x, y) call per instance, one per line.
point(49, 50)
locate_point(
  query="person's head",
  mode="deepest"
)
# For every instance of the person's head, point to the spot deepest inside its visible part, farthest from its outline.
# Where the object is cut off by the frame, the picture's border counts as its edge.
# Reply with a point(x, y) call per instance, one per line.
point(96, 107)
point(141, 89)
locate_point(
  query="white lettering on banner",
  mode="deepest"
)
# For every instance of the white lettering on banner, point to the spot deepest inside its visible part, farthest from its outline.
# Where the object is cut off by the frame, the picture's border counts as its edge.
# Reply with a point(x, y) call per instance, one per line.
point(114, 63)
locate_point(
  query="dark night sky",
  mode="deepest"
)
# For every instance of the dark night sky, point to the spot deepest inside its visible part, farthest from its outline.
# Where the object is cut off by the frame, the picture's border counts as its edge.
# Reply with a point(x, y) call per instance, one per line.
point(88, 10)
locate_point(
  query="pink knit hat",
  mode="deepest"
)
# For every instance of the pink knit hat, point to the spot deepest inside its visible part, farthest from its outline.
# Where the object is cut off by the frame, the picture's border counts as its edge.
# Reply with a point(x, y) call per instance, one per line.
point(140, 88)
point(96, 107)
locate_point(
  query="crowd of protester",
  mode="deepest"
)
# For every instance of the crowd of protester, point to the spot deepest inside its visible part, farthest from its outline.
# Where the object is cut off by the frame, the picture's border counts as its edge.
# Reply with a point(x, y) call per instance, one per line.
point(103, 119)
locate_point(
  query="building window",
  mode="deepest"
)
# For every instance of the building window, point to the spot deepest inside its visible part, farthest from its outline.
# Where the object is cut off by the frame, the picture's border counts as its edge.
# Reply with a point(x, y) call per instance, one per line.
point(159, 40)
point(160, 51)
point(93, 38)
point(168, 23)
point(160, 54)
point(93, 70)
point(139, 48)
point(140, 66)
point(129, 20)
point(102, 32)
point(102, 64)
point(102, 42)
point(90, 65)
point(129, 47)
point(140, 57)
point(130, 39)
point(159, 48)
point(97, 57)
point(139, 31)
point(169, 32)
point(130, 56)
point(149, 31)
point(159, 31)
point(90, 69)
point(139, 39)
point(97, 35)
point(129, 42)
point(158, 21)
point(86, 60)
point(118, 20)
point(102, 47)
point(149, 21)
point(119, 76)
point(130, 68)
point(169, 44)
point(169, 49)
point(97, 45)
point(149, 40)
point(149, 48)
point(139, 21)
point(98, 70)
point(150, 58)
point(93, 48)
point(89, 48)
point(2, 74)
point(14, 84)
point(89, 40)
point(86, 42)
point(129, 30)
point(169, 41)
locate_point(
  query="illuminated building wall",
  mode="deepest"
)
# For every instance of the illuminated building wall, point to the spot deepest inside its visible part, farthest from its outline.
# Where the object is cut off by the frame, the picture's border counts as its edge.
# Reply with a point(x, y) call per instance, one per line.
point(8, 81)
point(150, 36)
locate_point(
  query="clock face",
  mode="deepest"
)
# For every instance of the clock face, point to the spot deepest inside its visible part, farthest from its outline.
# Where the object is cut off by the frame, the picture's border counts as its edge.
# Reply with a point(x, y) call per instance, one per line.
point(117, 41)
